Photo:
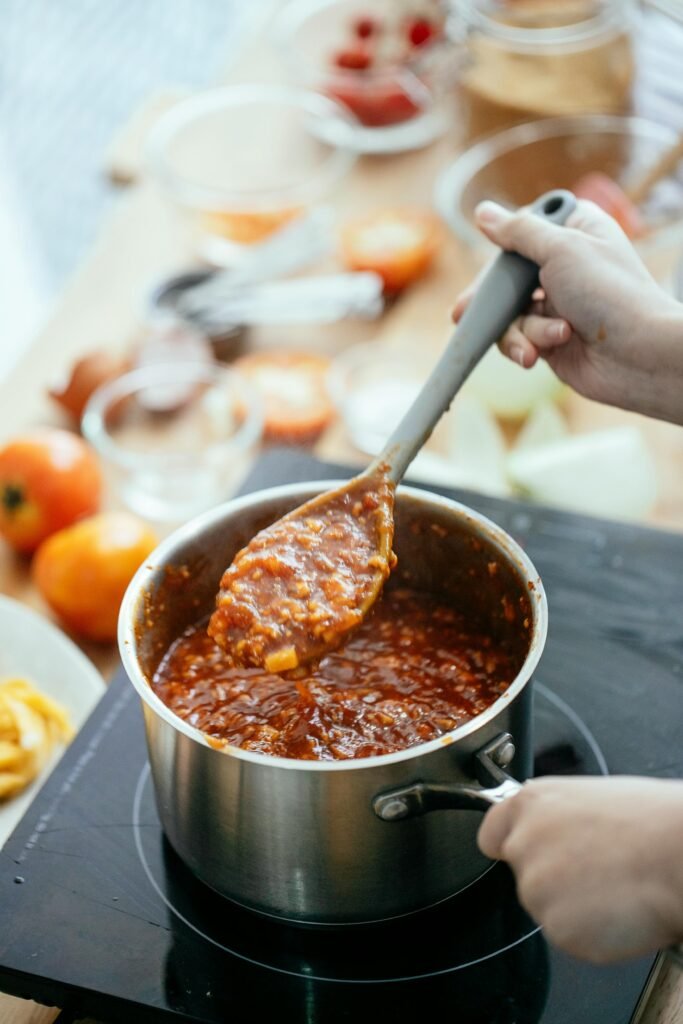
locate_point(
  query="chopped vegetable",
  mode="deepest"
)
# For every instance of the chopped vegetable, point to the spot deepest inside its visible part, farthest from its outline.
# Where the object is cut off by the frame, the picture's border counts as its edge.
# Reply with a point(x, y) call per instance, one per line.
point(421, 31)
point(477, 447)
point(509, 391)
point(371, 68)
point(357, 58)
point(607, 473)
point(87, 374)
point(294, 390)
point(245, 227)
point(366, 27)
point(382, 101)
point(544, 425)
point(397, 244)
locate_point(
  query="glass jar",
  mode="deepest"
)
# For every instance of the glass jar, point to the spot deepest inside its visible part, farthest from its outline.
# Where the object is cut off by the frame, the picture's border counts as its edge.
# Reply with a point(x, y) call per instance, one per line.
point(527, 59)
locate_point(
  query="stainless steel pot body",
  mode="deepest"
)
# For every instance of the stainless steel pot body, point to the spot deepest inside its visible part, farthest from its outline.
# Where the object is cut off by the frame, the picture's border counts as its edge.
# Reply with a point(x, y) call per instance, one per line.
point(341, 841)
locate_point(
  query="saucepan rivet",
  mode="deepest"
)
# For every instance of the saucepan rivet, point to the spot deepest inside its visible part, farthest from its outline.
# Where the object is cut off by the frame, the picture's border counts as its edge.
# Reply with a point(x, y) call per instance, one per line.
point(505, 755)
point(393, 809)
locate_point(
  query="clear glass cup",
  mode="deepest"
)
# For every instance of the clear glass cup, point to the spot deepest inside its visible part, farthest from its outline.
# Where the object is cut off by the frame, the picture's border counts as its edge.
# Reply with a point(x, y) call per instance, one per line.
point(174, 439)
point(372, 386)
point(245, 160)
point(397, 101)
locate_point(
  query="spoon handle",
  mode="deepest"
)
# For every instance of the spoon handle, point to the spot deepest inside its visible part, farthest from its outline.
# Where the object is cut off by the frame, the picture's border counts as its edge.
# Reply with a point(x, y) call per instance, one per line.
point(504, 293)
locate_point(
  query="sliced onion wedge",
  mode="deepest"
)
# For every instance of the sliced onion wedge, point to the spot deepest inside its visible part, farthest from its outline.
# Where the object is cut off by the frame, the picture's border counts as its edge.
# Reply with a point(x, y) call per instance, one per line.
point(609, 473)
point(509, 391)
point(544, 425)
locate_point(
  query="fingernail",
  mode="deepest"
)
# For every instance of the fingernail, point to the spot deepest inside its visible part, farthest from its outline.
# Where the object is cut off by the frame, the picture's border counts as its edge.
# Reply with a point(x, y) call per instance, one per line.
point(489, 213)
point(556, 332)
point(516, 353)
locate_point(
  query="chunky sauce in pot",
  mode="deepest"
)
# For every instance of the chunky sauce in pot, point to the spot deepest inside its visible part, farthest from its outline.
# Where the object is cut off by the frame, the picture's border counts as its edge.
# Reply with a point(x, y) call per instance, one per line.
point(303, 583)
point(412, 671)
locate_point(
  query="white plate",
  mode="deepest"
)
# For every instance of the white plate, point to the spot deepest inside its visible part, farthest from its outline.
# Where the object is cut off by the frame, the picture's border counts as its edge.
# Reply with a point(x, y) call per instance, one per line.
point(31, 647)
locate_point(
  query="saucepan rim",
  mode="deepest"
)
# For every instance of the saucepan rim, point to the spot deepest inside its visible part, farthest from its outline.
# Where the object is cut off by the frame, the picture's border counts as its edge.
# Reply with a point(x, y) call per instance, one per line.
point(135, 594)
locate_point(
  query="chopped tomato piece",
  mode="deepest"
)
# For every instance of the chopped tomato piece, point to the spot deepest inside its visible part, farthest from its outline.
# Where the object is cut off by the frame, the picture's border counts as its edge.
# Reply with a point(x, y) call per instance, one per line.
point(397, 244)
point(356, 58)
point(365, 27)
point(421, 31)
point(246, 227)
point(609, 196)
point(376, 103)
point(294, 391)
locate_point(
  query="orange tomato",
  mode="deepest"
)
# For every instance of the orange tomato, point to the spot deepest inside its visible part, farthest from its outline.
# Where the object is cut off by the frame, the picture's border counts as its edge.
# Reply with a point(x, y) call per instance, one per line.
point(399, 245)
point(83, 571)
point(48, 480)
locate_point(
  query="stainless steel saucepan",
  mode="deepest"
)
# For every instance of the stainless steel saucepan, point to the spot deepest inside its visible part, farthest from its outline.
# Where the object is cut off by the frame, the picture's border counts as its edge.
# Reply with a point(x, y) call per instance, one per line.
point(333, 842)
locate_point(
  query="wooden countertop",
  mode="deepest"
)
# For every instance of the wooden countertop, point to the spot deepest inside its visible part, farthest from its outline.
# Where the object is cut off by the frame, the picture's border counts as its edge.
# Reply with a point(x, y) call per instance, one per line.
point(144, 239)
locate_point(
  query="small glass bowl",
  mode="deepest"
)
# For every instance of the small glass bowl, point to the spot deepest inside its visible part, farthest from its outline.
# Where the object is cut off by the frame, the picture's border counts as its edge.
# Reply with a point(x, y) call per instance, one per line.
point(396, 106)
point(372, 387)
point(515, 166)
point(176, 439)
point(245, 160)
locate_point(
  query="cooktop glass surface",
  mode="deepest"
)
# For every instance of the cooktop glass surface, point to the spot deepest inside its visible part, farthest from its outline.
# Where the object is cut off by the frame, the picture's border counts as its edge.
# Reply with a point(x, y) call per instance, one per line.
point(101, 917)
point(101, 902)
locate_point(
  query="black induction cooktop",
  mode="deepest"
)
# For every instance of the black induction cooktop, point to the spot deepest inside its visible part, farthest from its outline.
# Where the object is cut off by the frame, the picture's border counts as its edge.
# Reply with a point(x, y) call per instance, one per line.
point(100, 916)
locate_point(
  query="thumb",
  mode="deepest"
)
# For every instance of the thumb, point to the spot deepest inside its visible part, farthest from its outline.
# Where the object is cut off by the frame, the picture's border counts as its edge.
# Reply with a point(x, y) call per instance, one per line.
point(522, 231)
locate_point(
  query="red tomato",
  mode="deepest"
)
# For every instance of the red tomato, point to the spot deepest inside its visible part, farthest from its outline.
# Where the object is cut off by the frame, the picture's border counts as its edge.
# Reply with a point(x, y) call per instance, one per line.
point(397, 244)
point(421, 31)
point(375, 102)
point(356, 58)
point(365, 27)
point(610, 197)
point(48, 480)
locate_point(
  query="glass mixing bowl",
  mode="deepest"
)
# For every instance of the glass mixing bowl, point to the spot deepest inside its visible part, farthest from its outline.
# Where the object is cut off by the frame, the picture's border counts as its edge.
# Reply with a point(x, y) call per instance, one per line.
point(514, 166)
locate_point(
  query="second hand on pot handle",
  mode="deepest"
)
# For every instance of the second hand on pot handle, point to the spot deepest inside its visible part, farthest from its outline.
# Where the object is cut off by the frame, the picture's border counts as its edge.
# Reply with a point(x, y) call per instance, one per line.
point(504, 293)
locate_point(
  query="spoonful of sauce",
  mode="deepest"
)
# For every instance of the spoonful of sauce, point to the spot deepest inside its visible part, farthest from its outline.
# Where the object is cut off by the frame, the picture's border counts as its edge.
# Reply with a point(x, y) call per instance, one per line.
point(301, 585)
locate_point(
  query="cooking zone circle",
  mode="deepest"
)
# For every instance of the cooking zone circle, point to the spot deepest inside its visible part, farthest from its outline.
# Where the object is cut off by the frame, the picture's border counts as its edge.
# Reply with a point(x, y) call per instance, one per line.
point(478, 923)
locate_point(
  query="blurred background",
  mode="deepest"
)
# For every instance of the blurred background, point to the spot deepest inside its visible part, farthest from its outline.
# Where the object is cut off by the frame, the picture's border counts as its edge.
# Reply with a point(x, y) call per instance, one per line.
point(70, 76)
point(286, 188)
point(73, 74)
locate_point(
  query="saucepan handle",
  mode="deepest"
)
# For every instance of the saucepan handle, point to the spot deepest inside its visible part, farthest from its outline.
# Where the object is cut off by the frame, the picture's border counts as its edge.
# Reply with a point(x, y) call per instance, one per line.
point(494, 786)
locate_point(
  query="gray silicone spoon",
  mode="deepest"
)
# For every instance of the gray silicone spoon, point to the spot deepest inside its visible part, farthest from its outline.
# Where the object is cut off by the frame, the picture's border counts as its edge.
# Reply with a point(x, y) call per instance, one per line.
point(504, 293)
point(326, 561)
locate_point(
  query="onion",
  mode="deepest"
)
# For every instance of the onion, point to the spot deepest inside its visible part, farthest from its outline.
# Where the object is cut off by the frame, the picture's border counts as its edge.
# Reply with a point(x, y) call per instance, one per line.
point(476, 452)
point(544, 425)
point(477, 447)
point(509, 391)
point(607, 473)
point(86, 375)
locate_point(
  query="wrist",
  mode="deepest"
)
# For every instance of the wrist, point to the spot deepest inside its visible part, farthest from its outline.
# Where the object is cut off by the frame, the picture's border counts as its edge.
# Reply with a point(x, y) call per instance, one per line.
point(662, 389)
point(668, 873)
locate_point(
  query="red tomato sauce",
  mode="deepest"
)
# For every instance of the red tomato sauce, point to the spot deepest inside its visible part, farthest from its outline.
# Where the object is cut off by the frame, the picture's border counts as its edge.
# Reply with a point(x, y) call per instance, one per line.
point(301, 584)
point(412, 671)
